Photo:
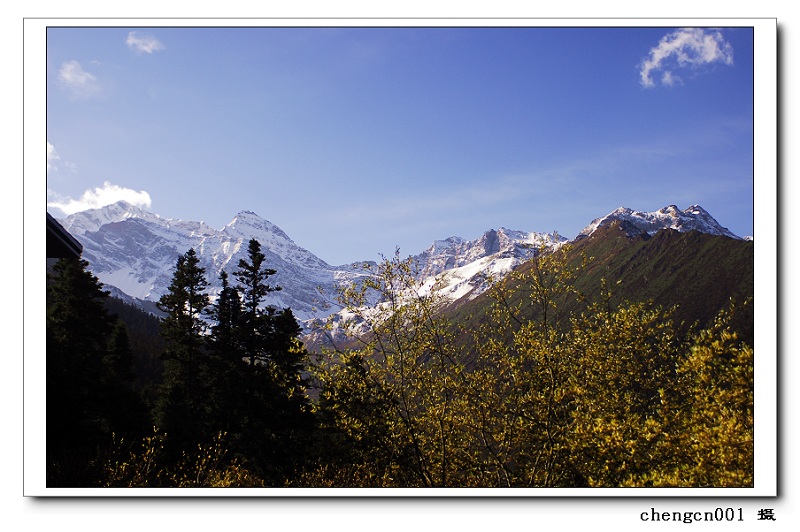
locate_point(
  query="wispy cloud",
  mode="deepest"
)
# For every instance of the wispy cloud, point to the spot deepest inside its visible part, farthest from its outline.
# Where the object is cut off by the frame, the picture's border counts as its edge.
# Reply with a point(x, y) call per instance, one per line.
point(55, 162)
point(52, 158)
point(100, 197)
point(682, 49)
point(143, 43)
point(78, 81)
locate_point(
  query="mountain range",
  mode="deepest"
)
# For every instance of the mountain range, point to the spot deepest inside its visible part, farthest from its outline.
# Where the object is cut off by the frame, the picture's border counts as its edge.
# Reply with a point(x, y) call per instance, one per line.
point(133, 252)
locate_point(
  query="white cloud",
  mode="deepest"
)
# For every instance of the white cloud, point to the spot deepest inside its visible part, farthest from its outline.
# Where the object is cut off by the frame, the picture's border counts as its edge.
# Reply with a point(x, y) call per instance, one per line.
point(681, 49)
point(143, 43)
point(56, 163)
point(102, 196)
point(669, 79)
point(77, 80)
point(52, 158)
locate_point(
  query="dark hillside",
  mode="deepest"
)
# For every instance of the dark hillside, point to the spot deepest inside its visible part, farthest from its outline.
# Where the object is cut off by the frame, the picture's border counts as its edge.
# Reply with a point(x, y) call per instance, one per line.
point(146, 344)
point(698, 272)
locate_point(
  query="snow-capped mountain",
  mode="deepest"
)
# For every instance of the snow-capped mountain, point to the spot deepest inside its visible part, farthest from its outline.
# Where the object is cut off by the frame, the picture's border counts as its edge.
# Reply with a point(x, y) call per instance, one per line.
point(136, 251)
point(94, 219)
point(693, 218)
point(456, 267)
point(452, 269)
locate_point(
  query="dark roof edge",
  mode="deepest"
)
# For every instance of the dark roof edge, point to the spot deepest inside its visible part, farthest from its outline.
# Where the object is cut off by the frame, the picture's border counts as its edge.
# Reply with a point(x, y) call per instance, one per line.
point(62, 238)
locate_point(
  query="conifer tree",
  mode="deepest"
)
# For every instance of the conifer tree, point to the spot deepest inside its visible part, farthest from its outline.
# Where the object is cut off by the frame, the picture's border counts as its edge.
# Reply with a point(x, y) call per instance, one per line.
point(289, 358)
point(77, 331)
point(227, 315)
point(226, 366)
point(260, 397)
point(252, 276)
point(181, 406)
point(89, 375)
point(275, 410)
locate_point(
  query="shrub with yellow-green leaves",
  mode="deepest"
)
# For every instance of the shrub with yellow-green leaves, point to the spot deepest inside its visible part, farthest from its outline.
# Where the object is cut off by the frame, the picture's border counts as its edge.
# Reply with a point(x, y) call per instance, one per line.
point(614, 396)
point(140, 466)
point(711, 428)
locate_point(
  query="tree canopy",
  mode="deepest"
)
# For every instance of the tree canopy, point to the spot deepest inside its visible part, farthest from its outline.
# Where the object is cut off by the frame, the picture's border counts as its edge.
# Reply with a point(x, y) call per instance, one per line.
point(552, 386)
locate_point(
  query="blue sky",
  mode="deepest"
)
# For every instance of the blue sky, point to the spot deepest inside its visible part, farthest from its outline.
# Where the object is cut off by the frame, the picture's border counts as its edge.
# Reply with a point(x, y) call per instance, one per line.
point(357, 140)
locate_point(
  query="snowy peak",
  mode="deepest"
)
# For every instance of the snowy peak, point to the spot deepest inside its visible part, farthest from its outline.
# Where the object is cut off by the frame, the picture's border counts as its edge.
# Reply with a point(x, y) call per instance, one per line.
point(460, 267)
point(135, 251)
point(248, 222)
point(275, 243)
point(440, 246)
point(459, 251)
point(693, 218)
point(93, 219)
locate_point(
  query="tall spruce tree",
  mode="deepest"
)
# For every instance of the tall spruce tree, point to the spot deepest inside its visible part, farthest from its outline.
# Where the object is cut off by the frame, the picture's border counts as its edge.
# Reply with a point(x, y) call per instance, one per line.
point(89, 376)
point(181, 408)
point(252, 276)
point(275, 411)
point(227, 315)
point(226, 366)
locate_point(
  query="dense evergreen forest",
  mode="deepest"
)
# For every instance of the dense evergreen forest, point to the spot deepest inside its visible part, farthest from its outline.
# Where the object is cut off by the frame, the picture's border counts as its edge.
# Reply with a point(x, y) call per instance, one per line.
point(544, 383)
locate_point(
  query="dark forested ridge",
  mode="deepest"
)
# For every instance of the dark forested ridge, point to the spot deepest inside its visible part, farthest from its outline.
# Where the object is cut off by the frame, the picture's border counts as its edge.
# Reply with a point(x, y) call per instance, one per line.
point(621, 359)
point(697, 273)
point(146, 345)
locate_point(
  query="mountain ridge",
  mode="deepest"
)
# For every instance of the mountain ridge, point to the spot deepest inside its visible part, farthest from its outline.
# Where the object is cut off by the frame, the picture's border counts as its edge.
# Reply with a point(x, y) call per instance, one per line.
point(135, 251)
point(693, 273)
point(693, 218)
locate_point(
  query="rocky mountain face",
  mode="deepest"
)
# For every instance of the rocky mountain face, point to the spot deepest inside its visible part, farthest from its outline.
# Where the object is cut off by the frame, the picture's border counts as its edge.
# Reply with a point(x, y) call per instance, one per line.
point(133, 252)
point(693, 218)
point(460, 268)
point(136, 252)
